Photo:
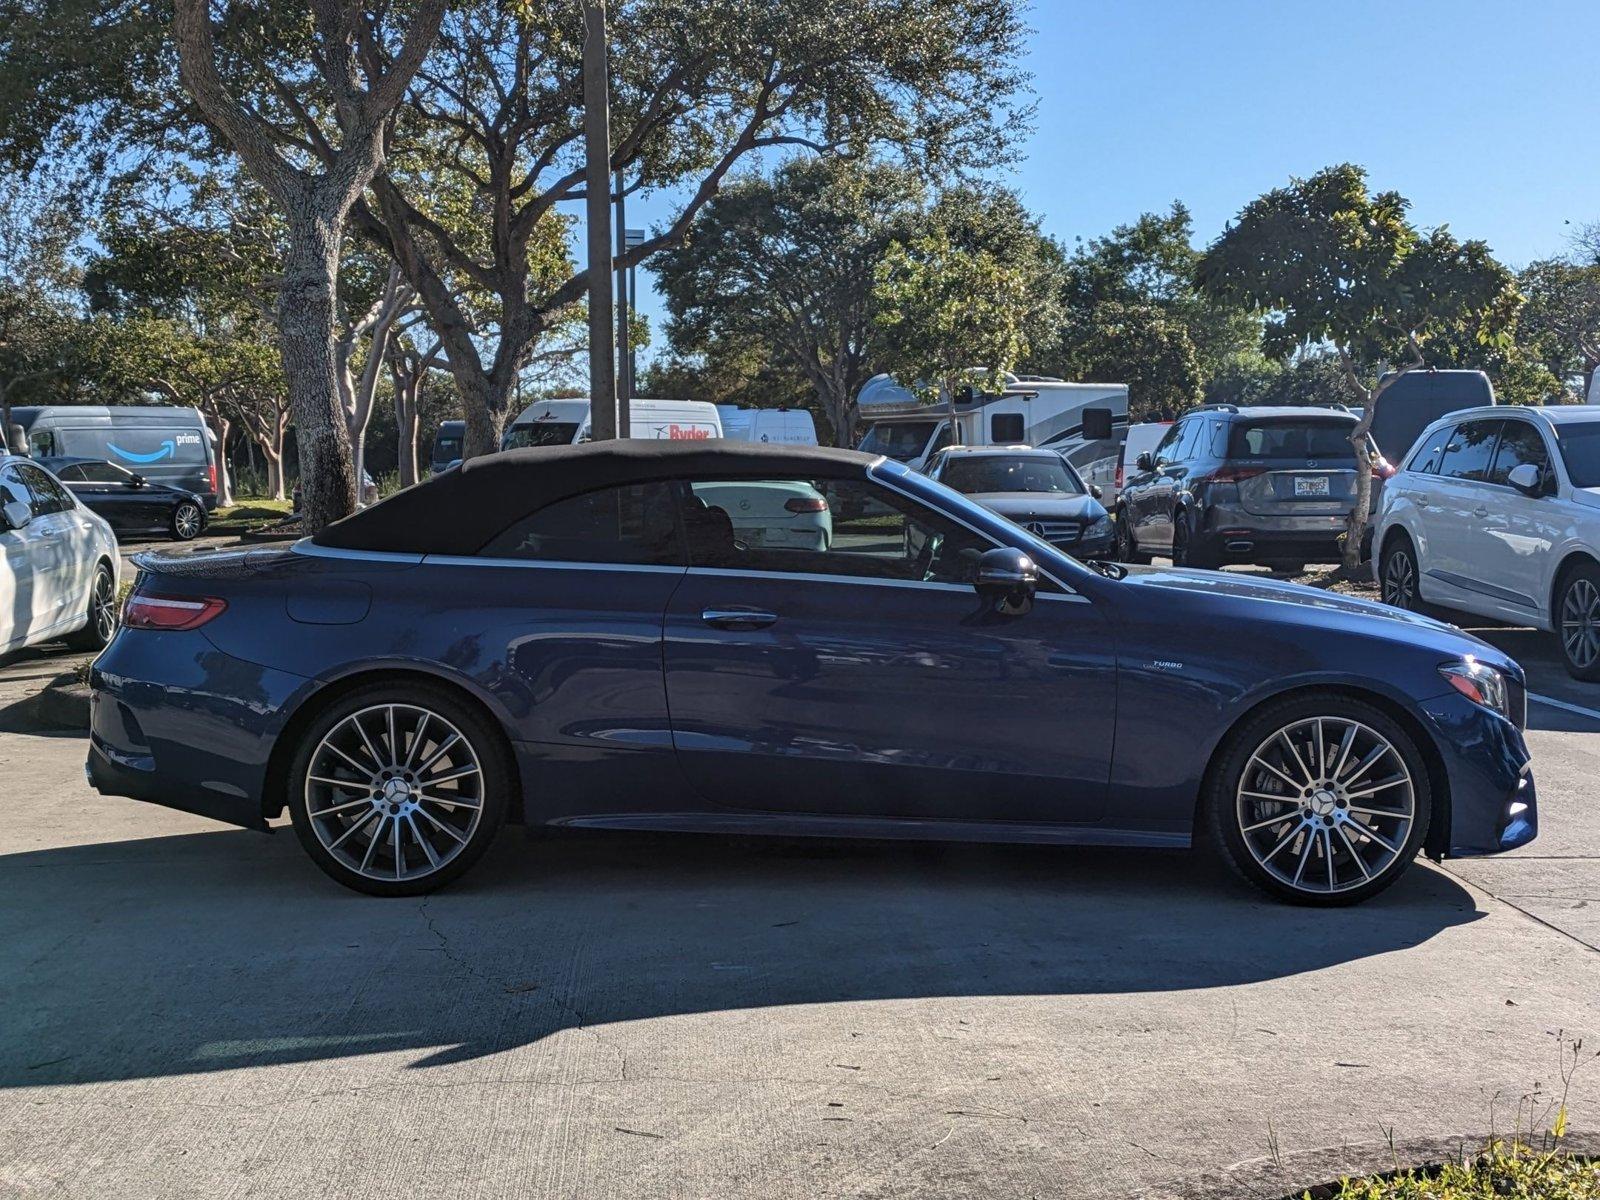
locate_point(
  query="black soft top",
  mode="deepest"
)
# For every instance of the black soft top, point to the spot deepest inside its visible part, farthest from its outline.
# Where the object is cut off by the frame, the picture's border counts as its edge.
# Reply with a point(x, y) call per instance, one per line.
point(459, 511)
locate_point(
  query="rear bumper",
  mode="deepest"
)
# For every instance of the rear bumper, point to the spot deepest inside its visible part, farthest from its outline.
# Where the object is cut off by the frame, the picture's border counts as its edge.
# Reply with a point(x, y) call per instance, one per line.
point(174, 721)
point(1493, 800)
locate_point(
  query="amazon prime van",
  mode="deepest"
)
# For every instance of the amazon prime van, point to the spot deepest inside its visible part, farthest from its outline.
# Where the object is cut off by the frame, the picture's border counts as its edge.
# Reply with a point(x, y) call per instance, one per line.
point(164, 443)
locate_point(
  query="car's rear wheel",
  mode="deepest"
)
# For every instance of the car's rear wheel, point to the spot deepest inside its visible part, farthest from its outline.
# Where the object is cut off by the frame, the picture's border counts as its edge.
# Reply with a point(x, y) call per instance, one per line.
point(1577, 613)
point(397, 789)
point(1188, 548)
point(1320, 800)
point(1398, 575)
point(188, 519)
point(101, 622)
point(1124, 545)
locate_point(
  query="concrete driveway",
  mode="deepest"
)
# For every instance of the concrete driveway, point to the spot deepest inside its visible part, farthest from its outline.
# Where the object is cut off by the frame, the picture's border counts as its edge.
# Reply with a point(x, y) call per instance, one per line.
point(190, 1010)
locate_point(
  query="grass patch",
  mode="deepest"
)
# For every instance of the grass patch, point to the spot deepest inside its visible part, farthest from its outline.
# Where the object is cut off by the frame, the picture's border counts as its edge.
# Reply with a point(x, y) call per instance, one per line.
point(246, 515)
point(1503, 1169)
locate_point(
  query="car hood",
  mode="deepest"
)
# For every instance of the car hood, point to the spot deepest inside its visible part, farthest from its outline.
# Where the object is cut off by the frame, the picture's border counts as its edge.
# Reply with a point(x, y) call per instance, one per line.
point(1587, 497)
point(1041, 506)
point(1381, 620)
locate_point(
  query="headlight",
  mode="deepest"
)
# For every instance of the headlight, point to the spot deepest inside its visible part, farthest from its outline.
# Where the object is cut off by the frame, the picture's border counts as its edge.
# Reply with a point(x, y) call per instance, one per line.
point(1480, 684)
point(1098, 528)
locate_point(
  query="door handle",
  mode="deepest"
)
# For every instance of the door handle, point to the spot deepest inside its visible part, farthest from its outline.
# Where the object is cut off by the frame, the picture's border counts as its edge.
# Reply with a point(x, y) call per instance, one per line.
point(738, 618)
point(1480, 512)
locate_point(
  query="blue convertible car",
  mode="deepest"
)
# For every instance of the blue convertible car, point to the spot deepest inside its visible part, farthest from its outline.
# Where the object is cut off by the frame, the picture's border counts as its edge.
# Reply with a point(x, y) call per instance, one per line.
point(627, 635)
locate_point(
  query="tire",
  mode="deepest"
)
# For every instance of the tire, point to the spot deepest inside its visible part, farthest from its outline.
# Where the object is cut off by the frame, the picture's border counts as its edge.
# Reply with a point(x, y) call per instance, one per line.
point(1399, 576)
point(1576, 617)
point(1188, 549)
point(1124, 547)
point(363, 780)
point(1282, 846)
point(187, 521)
point(101, 625)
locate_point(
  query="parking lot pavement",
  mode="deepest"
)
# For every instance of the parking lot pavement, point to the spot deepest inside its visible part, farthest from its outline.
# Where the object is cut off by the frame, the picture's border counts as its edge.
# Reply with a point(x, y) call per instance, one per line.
point(196, 1011)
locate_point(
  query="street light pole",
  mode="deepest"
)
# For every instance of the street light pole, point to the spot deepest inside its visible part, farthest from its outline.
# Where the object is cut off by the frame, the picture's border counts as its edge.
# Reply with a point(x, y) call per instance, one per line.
point(597, 195)
point(624, 379)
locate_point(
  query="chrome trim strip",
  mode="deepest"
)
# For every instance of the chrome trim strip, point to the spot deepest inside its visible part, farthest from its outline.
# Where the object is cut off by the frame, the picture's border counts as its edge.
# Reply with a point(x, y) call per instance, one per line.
point(872, 473)
point(544, 564)
point(809, 577)
point(307, 547)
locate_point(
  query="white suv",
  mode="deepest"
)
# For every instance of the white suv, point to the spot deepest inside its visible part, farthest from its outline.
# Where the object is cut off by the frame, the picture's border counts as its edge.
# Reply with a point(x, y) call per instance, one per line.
point(1496, 512)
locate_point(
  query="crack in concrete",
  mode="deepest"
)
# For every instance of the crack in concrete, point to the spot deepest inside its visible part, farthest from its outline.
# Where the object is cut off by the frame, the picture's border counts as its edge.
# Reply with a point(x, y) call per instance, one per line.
point(1511, 904)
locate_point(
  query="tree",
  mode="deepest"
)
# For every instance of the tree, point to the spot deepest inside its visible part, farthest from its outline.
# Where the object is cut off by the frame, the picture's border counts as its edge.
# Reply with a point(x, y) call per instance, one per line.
point(346, 80)
point(788, 262)
point(696, 86)
point(39, 226)
point(1131, 313)
point(1560, 324)
point(1326, 261)
point(953, 317)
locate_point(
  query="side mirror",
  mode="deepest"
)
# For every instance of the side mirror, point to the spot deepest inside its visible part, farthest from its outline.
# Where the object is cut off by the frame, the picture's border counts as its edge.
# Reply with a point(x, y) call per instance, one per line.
point(1527, 479)
point(1144, 462)
point(1007, 577)
point(1096, 492)
point(15, 514)
point(136, 481)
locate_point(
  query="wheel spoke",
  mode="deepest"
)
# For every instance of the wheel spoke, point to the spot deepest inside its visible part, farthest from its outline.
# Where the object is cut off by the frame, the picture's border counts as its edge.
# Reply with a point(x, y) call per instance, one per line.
point(455, 801)
point(394, 739)
point(327, 745)
point(1374, 789)
point(1261, 762)
point(416, 739)
point(1376, 836)
point(427, 846)
point(1366, 764)
point(1327, 849)
point(1354, 854)
point(440, 825)
point(1283, 736)
point(439, 752)
point(1305, 857)
point(461, 773)
point(345, 807)
point(367, 742)
point(345, 835)
point(1278, 820)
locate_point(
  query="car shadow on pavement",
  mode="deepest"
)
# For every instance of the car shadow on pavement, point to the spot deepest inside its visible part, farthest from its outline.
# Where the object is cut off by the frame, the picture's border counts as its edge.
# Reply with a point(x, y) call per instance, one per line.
point(214, 951)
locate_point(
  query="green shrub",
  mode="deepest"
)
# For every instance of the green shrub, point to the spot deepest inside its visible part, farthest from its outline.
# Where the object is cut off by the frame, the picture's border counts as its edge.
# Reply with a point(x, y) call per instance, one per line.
point(1503, 1170)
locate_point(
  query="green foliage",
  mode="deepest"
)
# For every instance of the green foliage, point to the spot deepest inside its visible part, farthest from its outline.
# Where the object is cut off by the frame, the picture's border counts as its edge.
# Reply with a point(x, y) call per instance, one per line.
point(1325, 260)
point(952, 315)
point(1502, 1170)
point(1559, 326)
point(1131, 314)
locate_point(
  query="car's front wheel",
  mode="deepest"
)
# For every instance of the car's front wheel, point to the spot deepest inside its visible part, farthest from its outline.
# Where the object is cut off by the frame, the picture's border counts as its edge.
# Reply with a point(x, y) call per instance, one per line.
point(188, 519)
point(1577, 613)
point(1320, 800)
point(1125, 547)
point(396, 789)
point(1397, 575)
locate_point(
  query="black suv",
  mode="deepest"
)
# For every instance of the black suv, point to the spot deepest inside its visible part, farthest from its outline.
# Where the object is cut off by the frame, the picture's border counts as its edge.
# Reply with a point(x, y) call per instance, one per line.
point(1243, 485)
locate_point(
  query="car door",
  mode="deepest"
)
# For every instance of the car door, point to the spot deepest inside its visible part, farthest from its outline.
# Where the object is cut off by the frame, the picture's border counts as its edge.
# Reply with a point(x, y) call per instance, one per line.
point(1520, 531)
point(1171, 470)
point(870, 681)
point(108, 490)
point(1458, 511)
point(1142, 485)
point(60, 578)
point(17, 548)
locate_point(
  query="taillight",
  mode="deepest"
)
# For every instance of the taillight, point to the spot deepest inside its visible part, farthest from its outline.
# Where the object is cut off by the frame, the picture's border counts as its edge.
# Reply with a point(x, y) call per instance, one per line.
point(805, 504)
point(1119, 477)
point(211, 476)
point(170, 612)
point(1234, 473)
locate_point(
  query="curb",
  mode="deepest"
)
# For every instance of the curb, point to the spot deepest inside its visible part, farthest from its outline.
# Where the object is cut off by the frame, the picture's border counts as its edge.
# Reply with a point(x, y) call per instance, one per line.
point(61, 705)
point(1318, 1171)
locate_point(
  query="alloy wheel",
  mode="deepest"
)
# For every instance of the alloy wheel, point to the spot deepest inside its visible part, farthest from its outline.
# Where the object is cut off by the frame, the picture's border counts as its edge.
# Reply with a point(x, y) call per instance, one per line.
point(1399, 580)
point(394, 792)
point(186, 521)
point(1580, 623)
point(103, 606)
point(1325, 804)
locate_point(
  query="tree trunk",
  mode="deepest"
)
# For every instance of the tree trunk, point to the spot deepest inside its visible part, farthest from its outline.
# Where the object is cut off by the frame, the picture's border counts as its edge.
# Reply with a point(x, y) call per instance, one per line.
point(305, 324)
point(1355, 529)
point(224, 468)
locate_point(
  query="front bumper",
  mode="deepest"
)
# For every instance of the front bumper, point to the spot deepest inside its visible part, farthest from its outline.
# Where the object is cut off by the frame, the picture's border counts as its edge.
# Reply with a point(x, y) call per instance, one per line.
point(1493, 800)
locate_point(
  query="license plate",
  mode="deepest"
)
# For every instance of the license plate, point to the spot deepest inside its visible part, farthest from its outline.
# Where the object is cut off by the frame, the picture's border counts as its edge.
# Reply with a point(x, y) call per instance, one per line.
point(1314, 485)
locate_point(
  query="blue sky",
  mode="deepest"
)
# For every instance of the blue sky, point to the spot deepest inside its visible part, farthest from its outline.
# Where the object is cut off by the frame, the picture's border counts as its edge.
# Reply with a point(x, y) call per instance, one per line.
point(1486, 115)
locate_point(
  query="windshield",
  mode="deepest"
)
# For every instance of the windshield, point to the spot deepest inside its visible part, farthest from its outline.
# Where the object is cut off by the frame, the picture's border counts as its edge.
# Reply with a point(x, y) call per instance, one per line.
point(541, 433)
point(901, 441)
point(982, 474)
point(1580, 450)
point(1325, 441)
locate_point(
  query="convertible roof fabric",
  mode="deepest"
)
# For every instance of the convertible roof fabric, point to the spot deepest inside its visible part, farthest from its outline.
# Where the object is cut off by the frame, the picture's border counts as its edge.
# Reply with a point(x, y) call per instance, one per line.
point(459, 511)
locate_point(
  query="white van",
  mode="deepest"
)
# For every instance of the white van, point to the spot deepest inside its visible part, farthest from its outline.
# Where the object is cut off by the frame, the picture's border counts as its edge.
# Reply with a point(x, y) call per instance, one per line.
point(780, 426)
point(564, 422)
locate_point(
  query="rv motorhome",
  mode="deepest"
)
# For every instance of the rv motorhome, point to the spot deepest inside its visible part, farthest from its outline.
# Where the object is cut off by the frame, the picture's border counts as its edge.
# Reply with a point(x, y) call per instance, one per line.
point(1083, 422)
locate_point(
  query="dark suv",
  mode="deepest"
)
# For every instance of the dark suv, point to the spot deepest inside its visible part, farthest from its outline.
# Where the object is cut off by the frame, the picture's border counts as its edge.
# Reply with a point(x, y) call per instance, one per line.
point(1242, 485)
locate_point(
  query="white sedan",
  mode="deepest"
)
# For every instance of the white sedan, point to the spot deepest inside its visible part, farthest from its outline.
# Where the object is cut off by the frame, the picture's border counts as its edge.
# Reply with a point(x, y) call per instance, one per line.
point(783, 514)
point(58, 563)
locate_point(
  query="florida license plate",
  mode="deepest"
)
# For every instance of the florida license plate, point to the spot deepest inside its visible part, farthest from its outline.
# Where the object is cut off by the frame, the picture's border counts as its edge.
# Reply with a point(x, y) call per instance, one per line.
point(1312, 485)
